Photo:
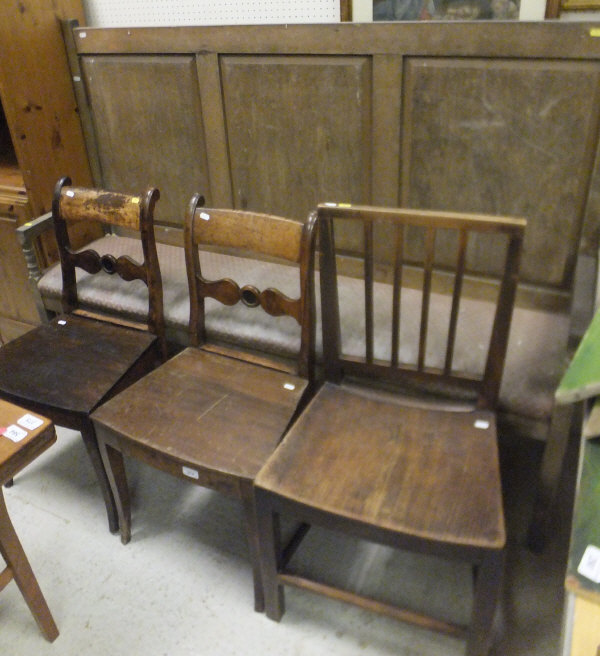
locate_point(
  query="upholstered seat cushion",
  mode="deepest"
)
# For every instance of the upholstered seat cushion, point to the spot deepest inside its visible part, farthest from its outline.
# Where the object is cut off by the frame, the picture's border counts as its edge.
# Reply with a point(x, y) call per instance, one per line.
point(537, 347)
point(250, 326)
point(536, 356)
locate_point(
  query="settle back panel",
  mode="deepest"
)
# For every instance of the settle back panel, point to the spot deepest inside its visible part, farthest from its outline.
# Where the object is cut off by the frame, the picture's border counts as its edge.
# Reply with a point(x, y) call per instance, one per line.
point(491, 117)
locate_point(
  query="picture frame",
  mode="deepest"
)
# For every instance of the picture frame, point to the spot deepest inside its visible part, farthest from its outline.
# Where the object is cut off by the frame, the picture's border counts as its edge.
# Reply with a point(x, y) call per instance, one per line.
point(402, 10)
point(578, 5)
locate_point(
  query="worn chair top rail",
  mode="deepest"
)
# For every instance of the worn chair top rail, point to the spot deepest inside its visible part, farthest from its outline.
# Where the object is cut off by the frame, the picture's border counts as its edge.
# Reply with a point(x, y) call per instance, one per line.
point(72, 204)
point(486, 386)
point(252, 233)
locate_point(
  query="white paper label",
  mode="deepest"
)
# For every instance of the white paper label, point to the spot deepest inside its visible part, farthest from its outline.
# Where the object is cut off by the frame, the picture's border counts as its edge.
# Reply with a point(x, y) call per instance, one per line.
point(205, 216)
point(70, 194)
point(482, 423)
point(289, 386)
point(30, 422)
point(82, 35)
point(188, 471)
point(62, 322)
point(590, 564)
point(15, 433)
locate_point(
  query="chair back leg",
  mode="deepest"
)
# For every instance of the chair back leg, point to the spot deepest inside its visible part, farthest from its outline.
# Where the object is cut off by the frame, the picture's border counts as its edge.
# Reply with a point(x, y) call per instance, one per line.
point(270, 554)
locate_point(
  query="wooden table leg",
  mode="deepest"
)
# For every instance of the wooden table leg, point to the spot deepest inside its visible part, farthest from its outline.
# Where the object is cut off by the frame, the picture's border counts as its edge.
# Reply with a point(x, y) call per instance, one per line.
point(19, 567)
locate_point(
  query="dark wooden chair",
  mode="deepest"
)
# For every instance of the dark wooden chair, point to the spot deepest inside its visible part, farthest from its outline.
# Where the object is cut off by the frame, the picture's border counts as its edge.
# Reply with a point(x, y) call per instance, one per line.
point(401, 454)
point(213, 414)
point(66, 368)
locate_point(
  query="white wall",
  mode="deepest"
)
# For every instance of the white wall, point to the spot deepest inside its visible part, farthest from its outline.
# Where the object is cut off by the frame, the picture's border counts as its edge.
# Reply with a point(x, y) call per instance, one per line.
point(362, 11)
point(127, 13)
point(532, 9)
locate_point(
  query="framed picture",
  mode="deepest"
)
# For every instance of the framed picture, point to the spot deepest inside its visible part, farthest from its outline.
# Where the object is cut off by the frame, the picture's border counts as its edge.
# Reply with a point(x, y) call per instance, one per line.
point(589, 5)
point(402, 10)
point(554, 7)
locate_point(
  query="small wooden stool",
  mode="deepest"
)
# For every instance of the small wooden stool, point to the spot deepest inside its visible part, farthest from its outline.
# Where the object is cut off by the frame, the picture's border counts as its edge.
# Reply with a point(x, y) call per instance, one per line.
point(33, 435)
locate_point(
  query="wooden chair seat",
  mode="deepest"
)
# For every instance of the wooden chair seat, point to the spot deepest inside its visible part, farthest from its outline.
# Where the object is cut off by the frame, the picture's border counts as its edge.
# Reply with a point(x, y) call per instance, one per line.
point(205, 412)
point(410, 460)
point(78, 362)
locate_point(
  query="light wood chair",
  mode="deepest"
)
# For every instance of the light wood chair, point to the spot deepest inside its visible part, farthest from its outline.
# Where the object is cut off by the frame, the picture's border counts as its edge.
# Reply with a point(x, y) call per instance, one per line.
point(66, 368)
point(401, 454)
point(213, 414)
point(30, 436)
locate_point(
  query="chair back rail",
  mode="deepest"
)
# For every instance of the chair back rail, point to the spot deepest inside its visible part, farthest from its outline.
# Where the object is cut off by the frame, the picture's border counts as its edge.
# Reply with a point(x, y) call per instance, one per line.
point(251, 233)
point(74, 204)
point(254, 232)
point(484, 384)
point(107, 207)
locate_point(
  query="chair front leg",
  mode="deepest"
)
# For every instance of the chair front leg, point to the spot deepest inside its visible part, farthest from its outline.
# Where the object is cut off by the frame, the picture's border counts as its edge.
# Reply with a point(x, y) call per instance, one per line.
point(253, 545)
point(91, 444)
point(488, 589)
point(269, 548)
point(114, 464)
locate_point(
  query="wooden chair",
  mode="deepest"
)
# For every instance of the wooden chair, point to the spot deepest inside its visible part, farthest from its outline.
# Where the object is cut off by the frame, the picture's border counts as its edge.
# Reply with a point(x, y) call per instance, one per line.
point(66, 368)
point(389, 467)
point(213, 415)
point(30, 436)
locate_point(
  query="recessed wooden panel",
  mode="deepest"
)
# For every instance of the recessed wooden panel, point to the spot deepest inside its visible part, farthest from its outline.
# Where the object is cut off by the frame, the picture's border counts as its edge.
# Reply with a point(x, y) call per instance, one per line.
point(148, 124)
point(298, 131)
point(511, 137)
point(18, 311)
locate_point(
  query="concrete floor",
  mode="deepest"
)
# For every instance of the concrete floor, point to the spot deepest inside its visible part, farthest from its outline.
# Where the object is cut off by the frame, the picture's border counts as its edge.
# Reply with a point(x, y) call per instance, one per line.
point(183, 584)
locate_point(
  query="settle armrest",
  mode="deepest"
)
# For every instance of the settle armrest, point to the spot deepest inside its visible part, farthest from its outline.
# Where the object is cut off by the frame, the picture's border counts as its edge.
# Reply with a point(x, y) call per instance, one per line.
point(27, 234)
point(33, 229)
point(581, 380)
point(575, 380)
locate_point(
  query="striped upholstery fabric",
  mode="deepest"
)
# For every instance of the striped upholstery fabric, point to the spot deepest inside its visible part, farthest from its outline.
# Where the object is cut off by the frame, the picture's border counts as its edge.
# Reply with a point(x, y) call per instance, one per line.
point(250, 326)
point(536, 355)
